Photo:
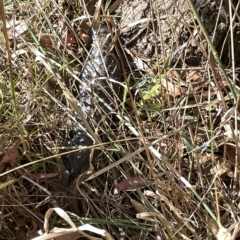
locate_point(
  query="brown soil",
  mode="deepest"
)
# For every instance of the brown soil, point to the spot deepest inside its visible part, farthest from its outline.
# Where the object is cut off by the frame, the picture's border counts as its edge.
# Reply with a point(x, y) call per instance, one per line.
point(169, 26)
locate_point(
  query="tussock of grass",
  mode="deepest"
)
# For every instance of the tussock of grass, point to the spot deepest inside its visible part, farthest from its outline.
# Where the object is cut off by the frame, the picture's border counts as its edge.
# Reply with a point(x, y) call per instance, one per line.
point(173, 141)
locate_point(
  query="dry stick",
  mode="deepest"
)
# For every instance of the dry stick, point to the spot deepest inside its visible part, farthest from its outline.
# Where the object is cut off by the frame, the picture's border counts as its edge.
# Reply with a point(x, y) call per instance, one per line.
point(96, 16)
point(3, 18)
point(114, 6)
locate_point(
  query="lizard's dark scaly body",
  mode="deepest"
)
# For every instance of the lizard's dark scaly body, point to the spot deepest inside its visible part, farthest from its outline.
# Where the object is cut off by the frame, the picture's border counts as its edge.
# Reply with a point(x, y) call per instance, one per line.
point(100, 67)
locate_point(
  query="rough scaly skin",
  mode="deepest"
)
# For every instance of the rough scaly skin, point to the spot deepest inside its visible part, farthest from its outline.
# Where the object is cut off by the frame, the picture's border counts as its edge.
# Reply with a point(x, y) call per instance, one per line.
point(101, 66)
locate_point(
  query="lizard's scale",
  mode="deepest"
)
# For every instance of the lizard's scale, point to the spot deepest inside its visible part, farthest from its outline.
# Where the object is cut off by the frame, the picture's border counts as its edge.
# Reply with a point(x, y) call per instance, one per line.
point(100, 67)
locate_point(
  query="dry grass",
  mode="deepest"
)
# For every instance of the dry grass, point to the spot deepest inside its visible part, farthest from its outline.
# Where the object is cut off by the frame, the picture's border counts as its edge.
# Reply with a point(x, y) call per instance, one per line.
point(175, 143)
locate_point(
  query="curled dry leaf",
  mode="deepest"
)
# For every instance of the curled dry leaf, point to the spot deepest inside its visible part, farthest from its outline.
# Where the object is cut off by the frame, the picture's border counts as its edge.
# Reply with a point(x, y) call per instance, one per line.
point(172, 87)
point(71, 39)
point(68, 233)
point(84, 38)
point(11, 156)
point(222, 166)
point(127, 185)
point(220, 169)
point(46, 40)
point(194, 76)
point(139, 206)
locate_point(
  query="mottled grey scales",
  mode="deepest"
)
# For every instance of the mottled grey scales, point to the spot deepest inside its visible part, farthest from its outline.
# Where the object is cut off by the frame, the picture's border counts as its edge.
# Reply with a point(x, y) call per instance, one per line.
point(96, 76)
point(77, 162)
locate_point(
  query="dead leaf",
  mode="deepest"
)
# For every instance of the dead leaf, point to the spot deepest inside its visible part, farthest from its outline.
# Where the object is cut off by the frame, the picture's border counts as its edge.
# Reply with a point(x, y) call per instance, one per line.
point(139, 206)
point(46, 41)
point(220, 169)
point(16, 28)
point(11, 156)
point(172, 87)
point(230, 153)
point(68, 233)
point(71, 39)
point(194, 76)
point(84, 38)
point(127, 185)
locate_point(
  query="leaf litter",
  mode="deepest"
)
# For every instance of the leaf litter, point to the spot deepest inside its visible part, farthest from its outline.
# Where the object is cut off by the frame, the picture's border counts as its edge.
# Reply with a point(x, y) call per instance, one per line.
point(185, 105)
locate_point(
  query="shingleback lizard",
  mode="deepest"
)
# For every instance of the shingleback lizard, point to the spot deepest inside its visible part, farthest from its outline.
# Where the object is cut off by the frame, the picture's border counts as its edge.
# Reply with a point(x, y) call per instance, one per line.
point(100, 69)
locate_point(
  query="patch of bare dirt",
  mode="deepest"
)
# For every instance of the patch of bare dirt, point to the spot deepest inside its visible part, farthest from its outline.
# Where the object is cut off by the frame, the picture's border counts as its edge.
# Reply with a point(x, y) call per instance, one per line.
point(170, 30)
